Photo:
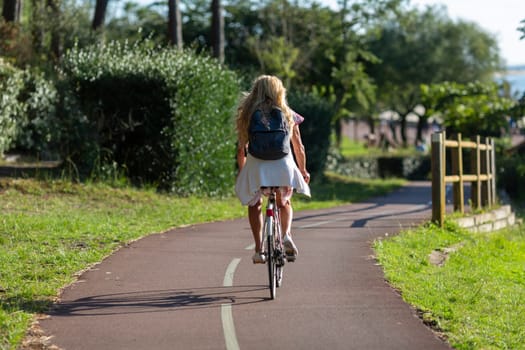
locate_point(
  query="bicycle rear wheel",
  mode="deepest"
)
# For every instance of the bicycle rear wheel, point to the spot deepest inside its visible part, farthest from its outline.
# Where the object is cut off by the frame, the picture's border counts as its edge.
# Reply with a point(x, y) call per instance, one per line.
point(279, 275)
point(270, 250)
point(278, 250)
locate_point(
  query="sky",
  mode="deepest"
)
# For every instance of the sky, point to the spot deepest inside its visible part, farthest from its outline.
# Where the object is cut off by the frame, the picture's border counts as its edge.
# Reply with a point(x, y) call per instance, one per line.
point(498, 17)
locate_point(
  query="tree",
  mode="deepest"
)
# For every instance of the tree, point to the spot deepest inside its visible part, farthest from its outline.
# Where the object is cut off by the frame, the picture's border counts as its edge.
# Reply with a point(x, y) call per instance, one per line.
point(137, 23)
point(197, 24)
point(276, 56)
point(316, 31)
point(11, 10)
point(56, 43)
point(358, 92)
point(46, 29)
point(217, 30)
point(315, 46)
point(100, 14)
point(471, 109)
point(355, 91)
point(425, 47)
point(174, 23)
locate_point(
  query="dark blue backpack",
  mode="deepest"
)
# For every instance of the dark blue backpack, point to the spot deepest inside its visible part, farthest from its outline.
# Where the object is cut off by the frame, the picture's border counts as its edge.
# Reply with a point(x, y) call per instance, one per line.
point(269, 135)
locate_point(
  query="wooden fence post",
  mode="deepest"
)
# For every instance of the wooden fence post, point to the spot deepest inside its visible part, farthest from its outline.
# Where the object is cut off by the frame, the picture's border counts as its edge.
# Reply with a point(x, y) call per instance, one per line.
point(486, 197)
point(493, 171)
point(457, 169)
point(476, 185)
point(438, 181)
point(482, 174)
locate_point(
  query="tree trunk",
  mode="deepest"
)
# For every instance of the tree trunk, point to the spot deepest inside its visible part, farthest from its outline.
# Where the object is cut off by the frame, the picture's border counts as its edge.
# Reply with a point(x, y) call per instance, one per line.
point(338, 128)
point(393, 130)
point(37, 8)
point(11, 10)
point(404, 130)
point(56, 45)
point(174, 23)
point(422, 126)
point(371, 124)
point(100, 14)
point(217, 30)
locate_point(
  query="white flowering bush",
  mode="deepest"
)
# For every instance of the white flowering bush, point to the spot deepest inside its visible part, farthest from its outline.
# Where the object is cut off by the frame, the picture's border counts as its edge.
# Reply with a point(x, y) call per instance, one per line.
point(11, 110)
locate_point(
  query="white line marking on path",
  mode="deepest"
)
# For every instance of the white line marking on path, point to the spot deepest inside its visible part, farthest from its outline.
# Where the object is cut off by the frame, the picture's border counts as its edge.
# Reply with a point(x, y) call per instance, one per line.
point(226, 309)
point(250, 247)
point(319, 223)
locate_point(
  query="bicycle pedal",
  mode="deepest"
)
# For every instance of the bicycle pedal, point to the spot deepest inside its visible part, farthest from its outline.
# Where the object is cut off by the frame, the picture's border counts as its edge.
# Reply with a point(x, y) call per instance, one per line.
point(291, 258)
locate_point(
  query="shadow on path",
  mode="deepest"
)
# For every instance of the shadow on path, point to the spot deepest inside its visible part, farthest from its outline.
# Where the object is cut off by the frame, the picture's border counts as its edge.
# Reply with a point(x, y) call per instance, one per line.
point(363, 221)
point(158, 301)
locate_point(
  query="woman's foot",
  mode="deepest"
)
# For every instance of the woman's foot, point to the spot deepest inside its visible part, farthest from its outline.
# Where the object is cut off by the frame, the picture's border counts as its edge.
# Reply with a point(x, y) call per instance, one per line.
point(259, 258)
point(289, 247)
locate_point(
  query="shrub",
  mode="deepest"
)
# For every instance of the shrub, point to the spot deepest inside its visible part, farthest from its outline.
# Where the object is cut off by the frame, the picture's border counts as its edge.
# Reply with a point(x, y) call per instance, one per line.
point(381, 167)
point(27, 111)
point(511, 174)
point(164, 115)
point(15, 43)
point(38, 128)
point(11, 110)
point(315, 130)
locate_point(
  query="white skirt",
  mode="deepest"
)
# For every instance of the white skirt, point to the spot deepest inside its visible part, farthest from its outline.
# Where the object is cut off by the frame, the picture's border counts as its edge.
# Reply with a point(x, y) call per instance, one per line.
point(258, 173)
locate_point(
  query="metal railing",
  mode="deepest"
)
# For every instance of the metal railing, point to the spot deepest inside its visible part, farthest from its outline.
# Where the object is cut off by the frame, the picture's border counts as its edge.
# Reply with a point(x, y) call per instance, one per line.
point(482, 174)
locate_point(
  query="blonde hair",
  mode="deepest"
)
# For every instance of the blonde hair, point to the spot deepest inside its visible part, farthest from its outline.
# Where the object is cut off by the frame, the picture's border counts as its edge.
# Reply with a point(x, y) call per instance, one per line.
point(267, 92)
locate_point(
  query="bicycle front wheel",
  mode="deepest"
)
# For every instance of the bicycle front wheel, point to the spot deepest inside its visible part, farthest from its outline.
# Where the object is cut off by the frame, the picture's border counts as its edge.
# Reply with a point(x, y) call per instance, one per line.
point(278, 250)
point(270, 251)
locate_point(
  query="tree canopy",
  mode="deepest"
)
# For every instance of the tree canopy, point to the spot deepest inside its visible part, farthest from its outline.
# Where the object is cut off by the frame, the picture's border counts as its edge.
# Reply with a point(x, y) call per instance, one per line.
point(425, 47)
point(366, 56)
point(473, 108)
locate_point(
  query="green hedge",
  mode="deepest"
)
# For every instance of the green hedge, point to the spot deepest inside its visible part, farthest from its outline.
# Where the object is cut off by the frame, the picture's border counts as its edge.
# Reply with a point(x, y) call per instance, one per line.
point(511, 174)
point(162, 115)
point(381, 167)
point(315, 130)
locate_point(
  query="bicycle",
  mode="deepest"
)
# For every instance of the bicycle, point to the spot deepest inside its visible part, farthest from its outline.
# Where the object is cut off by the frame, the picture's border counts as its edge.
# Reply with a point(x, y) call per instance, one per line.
point(275, 253)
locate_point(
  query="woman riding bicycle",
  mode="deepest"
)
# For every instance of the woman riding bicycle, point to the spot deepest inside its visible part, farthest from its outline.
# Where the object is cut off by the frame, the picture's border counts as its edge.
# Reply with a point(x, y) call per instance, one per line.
point(265, 103)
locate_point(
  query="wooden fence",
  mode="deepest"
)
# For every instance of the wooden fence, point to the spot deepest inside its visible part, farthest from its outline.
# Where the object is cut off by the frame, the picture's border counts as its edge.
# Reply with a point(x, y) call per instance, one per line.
point(482, 174)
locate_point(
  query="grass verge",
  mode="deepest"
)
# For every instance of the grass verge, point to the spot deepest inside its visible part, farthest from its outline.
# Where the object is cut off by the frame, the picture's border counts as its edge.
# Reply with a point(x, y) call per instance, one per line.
point(476, 297)
point(50, 230)
point(350, 149)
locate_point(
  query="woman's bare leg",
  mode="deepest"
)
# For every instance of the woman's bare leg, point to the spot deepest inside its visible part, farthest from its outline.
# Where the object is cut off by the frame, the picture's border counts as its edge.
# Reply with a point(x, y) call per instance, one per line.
point(286, 211)
point(256, 220)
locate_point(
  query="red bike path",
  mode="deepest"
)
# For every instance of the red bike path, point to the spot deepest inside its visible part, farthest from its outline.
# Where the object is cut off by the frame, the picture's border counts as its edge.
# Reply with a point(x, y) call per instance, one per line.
point(196, 288)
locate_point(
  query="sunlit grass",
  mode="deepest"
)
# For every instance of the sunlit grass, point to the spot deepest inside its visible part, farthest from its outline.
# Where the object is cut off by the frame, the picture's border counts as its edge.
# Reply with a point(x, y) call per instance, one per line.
point(351, 149)
point(476, 297)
